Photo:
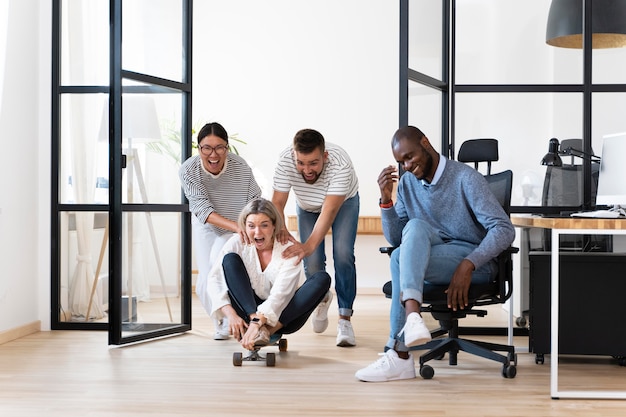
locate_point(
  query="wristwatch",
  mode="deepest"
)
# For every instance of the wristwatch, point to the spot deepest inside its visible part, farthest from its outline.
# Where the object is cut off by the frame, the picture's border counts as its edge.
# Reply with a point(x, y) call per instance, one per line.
point(256, 321)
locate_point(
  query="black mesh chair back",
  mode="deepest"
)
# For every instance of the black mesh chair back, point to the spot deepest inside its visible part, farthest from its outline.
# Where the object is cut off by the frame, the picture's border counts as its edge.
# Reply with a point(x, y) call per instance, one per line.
point(479, 150)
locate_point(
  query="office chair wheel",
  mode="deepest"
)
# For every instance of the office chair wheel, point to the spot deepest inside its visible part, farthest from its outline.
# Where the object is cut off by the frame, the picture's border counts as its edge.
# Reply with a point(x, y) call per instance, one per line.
point(521, 321)
point(282, 345)
point(539, 359)
point(512, 358)
point(509, 371)
point(270, 359)
point(427, 371)
point(621, 360)
point(237, 358)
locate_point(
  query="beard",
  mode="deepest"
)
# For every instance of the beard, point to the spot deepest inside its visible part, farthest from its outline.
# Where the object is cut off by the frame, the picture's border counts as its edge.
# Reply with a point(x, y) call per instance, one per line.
point(426, 167)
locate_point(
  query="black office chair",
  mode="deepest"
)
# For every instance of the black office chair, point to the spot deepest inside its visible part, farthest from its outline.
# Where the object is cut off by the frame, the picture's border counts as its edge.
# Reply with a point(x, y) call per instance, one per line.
point(496, 292)
point(562, 186)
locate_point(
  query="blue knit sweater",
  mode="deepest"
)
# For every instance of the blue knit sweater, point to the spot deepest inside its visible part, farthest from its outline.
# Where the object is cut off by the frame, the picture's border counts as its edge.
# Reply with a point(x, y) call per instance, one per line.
point(460, 206)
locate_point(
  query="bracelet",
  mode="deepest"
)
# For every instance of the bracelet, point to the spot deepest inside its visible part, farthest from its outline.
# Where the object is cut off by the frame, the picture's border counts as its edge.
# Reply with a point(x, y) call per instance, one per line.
point(385, 205)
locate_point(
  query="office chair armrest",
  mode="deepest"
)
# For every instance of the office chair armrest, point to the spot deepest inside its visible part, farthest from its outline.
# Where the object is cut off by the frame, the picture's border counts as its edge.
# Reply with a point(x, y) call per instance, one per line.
point(505, 271)
point(511, 250)
point(387, 249)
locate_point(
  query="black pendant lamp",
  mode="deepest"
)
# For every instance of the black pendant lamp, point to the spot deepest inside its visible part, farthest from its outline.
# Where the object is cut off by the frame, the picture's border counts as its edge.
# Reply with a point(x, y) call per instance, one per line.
point(608, 22)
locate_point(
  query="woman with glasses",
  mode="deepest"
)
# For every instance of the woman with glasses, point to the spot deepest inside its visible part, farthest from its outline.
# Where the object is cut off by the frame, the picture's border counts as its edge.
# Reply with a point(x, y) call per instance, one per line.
point(218, 185)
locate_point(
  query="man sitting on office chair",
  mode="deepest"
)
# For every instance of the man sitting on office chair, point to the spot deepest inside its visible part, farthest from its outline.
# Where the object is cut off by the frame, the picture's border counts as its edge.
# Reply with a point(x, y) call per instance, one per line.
point(448, 228)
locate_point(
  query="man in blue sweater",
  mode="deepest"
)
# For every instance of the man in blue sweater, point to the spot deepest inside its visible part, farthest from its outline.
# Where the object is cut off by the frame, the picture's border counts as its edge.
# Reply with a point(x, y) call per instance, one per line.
point(448, 227)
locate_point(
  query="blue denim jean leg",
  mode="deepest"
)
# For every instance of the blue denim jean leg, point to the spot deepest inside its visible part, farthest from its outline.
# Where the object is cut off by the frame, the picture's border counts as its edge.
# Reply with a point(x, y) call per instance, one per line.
point(344, 230)
point(423, 257)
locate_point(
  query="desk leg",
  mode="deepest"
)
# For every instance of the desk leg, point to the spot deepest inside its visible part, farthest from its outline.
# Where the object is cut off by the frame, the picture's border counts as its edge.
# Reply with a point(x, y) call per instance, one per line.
point(554, 348)
point(554, 315)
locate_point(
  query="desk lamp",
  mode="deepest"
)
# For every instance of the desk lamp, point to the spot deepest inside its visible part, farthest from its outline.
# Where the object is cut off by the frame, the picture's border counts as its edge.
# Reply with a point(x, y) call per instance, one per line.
point(552, 158)
point(583, 155)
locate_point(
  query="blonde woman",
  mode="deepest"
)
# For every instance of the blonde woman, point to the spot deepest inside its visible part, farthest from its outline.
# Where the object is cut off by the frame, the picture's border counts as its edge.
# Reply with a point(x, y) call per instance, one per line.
point(257, 290)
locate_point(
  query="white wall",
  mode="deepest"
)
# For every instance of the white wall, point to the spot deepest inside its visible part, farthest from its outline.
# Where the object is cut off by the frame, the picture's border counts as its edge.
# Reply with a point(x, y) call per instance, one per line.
point(25, 167)
point(267, 69)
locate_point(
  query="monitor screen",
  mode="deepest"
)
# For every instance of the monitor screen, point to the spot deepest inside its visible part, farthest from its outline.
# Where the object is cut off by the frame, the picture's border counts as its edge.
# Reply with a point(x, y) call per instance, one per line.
point(612, 178)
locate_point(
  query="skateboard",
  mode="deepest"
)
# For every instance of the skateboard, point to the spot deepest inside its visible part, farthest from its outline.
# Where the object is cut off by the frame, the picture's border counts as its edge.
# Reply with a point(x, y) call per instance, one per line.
point(255, 355)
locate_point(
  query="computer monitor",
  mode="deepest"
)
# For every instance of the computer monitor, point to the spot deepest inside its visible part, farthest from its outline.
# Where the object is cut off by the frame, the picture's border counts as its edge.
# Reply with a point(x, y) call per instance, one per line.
point(612, 177)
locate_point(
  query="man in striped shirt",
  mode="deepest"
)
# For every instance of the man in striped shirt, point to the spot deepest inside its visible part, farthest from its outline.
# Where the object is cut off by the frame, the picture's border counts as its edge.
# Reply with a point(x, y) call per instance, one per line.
point(218, 185)
point(325, 185)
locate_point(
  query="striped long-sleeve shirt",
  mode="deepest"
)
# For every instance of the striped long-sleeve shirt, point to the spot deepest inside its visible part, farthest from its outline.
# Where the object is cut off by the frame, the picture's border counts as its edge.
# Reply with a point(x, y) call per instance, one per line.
point(337, 178)
point(225, 193)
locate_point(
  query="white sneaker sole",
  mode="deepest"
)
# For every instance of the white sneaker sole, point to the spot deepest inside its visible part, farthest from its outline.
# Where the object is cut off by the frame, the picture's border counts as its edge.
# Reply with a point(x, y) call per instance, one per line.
point(382, 378)
point(418, 341)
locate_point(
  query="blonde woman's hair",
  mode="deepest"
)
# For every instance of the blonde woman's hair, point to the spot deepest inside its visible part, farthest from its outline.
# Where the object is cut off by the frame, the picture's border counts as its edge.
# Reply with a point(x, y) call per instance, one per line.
point(261, 206)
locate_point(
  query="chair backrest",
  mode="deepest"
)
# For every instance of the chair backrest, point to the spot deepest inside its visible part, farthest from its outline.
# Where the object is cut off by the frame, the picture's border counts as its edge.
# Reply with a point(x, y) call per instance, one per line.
point(562, 186)
point(479, 150)
point(501, 185)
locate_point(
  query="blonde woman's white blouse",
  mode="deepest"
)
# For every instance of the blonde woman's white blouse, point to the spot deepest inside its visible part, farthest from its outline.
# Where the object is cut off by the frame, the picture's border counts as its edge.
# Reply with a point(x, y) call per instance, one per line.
point(276, 285)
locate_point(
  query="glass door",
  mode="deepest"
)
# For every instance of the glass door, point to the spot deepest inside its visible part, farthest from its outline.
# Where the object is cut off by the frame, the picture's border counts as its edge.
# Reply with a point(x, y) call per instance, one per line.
point(123, 262)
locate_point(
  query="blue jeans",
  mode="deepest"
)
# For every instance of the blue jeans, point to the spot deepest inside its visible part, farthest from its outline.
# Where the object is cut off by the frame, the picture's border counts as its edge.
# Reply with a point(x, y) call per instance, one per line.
point(423, 256)
point(344, 237)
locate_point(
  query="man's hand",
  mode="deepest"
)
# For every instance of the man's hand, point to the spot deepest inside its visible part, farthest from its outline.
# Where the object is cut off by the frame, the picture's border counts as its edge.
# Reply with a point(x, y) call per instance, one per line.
point(386, 179)
point(299, 250)
point(459, 286)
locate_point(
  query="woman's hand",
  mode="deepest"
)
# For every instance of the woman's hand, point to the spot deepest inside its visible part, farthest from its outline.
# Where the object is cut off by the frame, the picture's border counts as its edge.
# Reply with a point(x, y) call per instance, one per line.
point(236, 325)
point(247, 341)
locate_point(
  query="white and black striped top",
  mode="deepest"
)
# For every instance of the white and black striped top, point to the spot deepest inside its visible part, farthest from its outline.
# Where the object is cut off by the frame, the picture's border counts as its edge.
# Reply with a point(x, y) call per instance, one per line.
point(225, 193)
point(337, 178)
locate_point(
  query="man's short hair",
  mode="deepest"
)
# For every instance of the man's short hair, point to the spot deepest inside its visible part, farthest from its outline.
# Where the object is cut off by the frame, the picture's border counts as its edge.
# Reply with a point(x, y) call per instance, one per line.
point(308, 140)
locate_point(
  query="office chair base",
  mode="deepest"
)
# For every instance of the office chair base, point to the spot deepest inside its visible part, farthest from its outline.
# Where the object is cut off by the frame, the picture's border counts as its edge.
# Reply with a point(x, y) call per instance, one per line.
point(439, 347)
point(255, 355)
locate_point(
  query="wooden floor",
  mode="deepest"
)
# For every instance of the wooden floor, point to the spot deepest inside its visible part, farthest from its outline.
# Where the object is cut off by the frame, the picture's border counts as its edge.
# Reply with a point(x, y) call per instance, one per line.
point(75, 373)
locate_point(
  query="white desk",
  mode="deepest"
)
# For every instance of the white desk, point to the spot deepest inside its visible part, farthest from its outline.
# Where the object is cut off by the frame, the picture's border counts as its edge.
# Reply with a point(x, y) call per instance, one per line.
point(561, 226)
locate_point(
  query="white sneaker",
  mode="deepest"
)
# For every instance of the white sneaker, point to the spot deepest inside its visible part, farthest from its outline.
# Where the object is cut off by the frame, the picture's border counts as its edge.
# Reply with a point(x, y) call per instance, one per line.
point(389, 367)
point(345, 333)
point(415, 331)
point(222, 332)
point(319, 318)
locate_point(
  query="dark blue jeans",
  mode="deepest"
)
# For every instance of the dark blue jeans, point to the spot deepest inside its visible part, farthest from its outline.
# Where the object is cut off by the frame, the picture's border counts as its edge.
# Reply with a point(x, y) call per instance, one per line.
point(344, 230)
point(245, 301)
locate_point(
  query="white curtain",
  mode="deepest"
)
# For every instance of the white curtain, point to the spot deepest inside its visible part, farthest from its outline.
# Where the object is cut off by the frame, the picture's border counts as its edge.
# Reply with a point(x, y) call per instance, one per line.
point(83, 140)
